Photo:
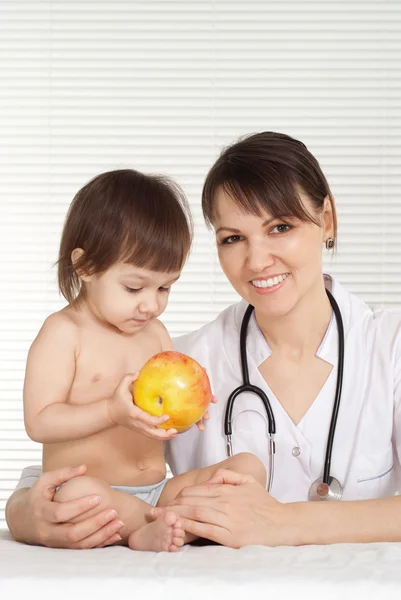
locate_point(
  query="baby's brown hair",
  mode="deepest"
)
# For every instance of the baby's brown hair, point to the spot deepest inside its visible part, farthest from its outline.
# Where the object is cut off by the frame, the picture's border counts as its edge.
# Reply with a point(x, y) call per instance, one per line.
point(125, 216)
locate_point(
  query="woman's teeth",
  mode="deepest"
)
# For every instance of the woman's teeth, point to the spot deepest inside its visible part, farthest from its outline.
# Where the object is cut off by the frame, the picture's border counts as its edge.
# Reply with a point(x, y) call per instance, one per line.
point(266, 283)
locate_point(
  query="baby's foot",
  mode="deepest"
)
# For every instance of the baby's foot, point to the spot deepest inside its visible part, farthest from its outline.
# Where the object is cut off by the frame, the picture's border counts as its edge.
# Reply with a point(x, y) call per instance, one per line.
point(163, 535)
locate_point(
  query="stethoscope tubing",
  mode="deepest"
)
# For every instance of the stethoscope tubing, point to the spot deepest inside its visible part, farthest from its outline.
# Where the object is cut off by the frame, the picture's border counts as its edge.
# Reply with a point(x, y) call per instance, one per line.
point(246, 386)
point(339, 384)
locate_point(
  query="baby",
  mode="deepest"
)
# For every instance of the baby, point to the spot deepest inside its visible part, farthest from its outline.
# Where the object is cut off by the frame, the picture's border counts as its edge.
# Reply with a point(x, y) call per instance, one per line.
point(125, 240)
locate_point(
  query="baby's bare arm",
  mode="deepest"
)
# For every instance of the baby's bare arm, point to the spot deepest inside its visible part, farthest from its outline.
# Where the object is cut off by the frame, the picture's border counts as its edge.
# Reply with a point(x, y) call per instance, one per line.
point(50, 372)
point(49, 376)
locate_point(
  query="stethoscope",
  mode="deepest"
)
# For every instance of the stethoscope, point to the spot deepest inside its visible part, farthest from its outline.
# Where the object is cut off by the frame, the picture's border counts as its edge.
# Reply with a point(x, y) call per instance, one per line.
point(326, 487)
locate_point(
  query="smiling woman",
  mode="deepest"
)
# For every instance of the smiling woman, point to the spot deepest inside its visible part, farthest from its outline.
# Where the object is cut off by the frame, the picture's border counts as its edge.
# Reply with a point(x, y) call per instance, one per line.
point(266, 255)
point(271, 207)
point(273, 213)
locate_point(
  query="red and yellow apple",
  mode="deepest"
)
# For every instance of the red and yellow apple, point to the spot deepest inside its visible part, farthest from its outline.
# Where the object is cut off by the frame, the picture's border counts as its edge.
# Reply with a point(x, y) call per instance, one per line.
point(174, 384)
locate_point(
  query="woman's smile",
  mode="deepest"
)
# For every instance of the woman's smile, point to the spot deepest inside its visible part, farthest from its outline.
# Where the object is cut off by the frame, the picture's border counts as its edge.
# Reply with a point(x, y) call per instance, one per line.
point(268, 285)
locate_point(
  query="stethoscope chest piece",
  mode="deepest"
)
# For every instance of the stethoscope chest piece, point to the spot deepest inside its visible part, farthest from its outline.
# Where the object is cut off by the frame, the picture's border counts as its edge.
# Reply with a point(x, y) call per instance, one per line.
point(325, 491)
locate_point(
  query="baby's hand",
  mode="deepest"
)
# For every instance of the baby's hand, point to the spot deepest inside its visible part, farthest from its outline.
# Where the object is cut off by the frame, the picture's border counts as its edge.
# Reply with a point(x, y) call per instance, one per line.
point(200, 424)
point(122, 411)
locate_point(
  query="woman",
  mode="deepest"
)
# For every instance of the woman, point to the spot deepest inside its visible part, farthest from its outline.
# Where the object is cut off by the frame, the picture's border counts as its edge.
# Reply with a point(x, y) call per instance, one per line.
point(272, 211)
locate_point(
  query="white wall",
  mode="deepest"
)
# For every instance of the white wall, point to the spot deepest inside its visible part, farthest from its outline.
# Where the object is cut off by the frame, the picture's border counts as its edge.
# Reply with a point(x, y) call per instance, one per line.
point(87, 86)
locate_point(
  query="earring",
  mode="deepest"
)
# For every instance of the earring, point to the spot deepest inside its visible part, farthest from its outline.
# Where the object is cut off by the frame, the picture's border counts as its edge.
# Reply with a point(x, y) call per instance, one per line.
point(330, 243)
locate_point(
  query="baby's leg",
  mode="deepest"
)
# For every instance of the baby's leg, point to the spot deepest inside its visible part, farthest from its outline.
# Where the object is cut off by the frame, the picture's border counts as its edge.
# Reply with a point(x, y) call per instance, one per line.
point(244, 462)
point(165, 534)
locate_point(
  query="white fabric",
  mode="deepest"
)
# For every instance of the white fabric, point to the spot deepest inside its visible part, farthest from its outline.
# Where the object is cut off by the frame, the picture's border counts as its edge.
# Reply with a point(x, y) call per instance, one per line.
point(28, 476)
point(339, 572)
point(367, 443)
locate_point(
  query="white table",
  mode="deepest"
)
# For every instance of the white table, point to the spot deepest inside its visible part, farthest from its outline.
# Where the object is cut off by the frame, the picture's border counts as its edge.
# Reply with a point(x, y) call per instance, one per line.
point(338, 572)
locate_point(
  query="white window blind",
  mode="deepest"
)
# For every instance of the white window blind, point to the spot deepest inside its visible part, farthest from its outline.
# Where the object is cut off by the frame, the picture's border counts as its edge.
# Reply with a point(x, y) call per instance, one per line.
point(87, 86)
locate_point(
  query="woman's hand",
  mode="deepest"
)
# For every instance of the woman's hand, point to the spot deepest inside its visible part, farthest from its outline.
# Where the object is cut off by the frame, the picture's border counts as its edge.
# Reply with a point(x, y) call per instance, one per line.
point(122, 411)
point(233, 510)
point(34, 518)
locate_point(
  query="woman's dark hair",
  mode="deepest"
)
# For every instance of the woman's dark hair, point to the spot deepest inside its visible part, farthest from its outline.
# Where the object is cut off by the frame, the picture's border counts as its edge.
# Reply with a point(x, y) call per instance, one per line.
point(266, 172)
point(127, 216)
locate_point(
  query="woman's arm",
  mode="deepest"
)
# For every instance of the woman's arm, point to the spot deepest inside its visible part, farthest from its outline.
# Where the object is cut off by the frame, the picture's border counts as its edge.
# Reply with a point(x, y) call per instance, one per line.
point(360, 521)
point(33, 517)
point(235, 510)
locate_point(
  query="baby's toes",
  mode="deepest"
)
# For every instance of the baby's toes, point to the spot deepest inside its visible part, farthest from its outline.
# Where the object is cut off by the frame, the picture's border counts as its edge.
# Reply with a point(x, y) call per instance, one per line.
point(178, 542)
point(170, 518)
point(178, 536)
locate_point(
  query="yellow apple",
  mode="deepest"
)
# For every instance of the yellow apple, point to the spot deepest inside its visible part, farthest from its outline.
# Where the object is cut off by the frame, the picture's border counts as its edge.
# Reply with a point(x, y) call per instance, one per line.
point(174, 384)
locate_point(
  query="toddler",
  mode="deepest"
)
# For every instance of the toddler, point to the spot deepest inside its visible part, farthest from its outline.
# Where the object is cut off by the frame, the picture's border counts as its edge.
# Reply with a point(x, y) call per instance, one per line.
point(125, 240)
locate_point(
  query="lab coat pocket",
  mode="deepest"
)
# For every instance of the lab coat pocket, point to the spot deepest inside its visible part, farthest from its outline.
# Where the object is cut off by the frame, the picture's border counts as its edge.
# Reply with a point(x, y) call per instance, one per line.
point(375, 474)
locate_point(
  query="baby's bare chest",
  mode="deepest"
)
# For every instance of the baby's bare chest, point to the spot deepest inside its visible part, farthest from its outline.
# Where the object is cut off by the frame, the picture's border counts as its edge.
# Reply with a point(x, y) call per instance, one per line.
point(103, 360)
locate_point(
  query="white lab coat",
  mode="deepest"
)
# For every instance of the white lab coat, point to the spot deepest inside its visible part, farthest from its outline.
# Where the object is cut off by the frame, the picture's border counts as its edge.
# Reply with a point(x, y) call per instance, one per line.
point(367, 444)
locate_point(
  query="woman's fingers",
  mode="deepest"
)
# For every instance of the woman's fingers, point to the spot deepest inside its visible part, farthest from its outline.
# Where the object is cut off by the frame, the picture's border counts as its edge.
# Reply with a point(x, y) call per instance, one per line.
point(111, 540)
point(62, 512)
point(211, 498)
point(49, 482)
point(213, 533)
point(195, 512)
point(225, 476)
point(202, 521)
point(210, 489)
point(93, 531)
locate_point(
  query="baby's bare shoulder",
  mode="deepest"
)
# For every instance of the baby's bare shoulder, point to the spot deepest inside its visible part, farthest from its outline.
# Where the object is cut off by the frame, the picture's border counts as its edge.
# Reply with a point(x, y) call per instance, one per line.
point(58, 326)
point(159, 330)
